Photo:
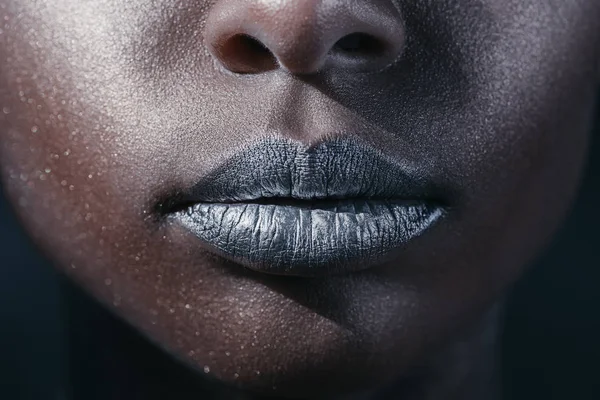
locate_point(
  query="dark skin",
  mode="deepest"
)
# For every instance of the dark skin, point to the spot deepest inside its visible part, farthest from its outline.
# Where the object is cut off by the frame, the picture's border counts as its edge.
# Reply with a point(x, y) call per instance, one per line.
point(109, 106)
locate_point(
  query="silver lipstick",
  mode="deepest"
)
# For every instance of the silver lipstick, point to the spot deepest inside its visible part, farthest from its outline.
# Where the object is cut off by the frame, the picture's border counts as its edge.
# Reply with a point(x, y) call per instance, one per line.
point(282, 207)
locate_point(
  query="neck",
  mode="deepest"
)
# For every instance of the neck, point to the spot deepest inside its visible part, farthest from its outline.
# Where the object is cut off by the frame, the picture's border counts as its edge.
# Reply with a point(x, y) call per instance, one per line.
point(110, 360)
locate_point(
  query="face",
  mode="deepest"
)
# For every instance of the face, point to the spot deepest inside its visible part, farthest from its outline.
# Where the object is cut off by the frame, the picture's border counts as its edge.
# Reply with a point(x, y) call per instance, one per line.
point(282, 191)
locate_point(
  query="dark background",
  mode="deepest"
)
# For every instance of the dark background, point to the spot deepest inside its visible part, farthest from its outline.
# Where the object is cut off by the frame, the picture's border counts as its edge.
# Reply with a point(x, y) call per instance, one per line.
point(551, 343)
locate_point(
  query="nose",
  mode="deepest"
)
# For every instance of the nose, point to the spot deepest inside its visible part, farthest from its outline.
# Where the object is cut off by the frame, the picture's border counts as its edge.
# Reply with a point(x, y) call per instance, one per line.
point(304, 36)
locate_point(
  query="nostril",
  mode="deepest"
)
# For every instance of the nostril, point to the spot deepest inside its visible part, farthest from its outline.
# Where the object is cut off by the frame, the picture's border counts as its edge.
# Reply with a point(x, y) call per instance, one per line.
point(304, 37)
point(251, 45)
point(246, 54)
point(360, 44)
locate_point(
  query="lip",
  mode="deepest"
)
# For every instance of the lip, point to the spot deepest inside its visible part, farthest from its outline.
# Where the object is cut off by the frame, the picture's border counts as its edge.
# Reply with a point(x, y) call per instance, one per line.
point(281, 207)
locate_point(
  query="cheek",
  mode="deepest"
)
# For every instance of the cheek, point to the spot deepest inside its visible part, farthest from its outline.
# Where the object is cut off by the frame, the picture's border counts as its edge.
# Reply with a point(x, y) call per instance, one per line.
point(64, 168)
point(519, 163)
point(516, 150)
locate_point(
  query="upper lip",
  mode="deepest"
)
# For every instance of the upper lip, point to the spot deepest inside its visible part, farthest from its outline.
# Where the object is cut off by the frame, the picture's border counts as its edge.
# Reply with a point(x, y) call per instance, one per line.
point(342, 168)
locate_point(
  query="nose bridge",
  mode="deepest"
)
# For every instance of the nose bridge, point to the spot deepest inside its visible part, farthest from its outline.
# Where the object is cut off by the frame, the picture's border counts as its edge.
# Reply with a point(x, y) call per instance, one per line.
point(304, 36)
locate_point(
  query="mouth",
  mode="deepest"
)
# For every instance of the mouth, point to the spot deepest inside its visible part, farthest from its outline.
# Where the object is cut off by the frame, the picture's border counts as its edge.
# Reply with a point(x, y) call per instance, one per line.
point(283, 208)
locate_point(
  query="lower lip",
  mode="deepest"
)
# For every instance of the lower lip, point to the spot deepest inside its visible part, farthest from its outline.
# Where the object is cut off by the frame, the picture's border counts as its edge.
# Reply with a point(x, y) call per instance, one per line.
point(310, 239)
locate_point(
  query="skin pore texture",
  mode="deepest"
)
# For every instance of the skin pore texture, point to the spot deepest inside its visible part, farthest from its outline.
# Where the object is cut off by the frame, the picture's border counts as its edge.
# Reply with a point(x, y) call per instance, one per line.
point(114, 115)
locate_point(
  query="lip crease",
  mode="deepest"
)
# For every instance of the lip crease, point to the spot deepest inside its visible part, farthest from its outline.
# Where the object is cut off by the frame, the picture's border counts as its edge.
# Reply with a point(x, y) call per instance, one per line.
point(281, 207)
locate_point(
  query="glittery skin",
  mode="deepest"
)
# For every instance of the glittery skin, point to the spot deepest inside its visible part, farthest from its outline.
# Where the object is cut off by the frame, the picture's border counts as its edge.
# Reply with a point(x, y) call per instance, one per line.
point(107, 106)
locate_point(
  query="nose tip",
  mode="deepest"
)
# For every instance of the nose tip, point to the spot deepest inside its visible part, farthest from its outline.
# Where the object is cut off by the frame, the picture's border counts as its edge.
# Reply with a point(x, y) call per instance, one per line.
point(304, 36)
